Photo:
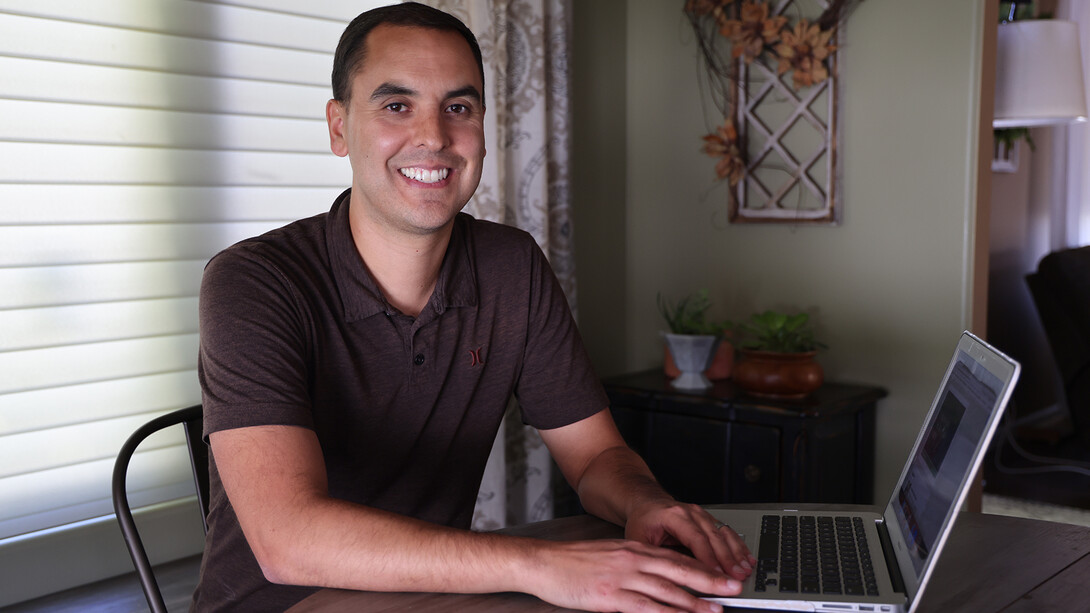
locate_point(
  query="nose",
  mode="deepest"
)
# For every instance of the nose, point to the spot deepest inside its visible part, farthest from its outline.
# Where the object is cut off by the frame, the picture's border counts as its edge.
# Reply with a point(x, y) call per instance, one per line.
point(431, 131)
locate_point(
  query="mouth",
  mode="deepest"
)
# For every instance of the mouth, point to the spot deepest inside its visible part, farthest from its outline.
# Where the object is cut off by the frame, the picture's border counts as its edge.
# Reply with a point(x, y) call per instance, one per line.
point(424, 175)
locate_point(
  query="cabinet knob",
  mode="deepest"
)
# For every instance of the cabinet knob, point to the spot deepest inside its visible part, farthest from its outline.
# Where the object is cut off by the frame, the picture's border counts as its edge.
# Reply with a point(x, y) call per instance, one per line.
point(752, 473)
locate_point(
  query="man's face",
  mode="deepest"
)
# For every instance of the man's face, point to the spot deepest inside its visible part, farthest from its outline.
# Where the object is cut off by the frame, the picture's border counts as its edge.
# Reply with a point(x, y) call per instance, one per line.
point(413, 130)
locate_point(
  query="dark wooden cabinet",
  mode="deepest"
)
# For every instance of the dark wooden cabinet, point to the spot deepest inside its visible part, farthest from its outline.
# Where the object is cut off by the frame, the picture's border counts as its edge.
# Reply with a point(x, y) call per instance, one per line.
point(723, 445)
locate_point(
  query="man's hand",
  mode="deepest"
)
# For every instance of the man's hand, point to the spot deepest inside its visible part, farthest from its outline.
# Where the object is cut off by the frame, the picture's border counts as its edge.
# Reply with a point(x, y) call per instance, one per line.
point(667, 522)
point(616, 485)
point(622, 575)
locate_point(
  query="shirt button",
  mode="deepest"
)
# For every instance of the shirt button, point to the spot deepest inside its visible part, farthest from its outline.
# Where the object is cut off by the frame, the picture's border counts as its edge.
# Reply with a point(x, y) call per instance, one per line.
point(419, 359)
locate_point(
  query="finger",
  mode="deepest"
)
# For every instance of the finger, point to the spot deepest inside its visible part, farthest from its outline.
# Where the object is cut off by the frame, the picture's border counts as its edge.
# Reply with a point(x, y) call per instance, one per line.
point(681, 570)
point(739, 549)
point(638, 602)
point(699, 541)
point(730, 550)
point(661, 595)
point(718, 548)
point(737, 545)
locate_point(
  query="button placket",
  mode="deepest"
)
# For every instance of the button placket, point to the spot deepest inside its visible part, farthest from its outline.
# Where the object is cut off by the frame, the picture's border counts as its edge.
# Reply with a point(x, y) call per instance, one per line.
point(417, 346)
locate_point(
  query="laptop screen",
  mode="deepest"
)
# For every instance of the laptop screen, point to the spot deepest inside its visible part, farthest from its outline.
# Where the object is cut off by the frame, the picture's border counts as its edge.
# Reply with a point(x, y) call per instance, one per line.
point(943, 458)
point(937, 475)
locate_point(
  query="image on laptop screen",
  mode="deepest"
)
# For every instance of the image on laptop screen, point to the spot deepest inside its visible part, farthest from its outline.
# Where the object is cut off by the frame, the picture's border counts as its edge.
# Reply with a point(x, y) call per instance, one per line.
point(943, 458)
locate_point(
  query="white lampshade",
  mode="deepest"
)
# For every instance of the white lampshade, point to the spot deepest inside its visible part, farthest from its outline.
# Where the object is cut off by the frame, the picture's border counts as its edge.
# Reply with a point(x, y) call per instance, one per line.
point(1038, 74)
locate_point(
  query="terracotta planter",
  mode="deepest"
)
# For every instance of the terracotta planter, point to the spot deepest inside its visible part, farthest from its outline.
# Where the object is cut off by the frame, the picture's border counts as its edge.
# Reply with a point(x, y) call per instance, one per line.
point(778, 375)
point(721, 368)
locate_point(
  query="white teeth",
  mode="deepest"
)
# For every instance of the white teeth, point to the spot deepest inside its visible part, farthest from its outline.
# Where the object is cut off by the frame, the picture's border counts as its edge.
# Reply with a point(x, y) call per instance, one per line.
point(425, 176)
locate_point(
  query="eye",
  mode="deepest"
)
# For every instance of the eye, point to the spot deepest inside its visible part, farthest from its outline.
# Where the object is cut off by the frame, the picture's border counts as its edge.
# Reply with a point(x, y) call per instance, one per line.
point(458, 108)
point(396, 107)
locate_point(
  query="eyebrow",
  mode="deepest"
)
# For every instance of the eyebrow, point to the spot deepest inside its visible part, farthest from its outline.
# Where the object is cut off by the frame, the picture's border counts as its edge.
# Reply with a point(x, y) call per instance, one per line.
point(389, 89)
point(465, 92)
point(392, 89)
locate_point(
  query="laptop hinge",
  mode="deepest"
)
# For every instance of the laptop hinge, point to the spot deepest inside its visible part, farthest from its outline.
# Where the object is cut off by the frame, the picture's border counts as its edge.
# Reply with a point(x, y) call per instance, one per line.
point(891, 558)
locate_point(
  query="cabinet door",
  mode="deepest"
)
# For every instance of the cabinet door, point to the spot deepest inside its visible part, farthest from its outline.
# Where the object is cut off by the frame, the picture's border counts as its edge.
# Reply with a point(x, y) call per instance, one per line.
point(754, 463)
point(688, 455)
point(705, 461)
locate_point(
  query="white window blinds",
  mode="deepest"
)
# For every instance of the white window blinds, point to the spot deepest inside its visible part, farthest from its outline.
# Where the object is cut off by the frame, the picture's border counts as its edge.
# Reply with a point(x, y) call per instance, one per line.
point(137, 138)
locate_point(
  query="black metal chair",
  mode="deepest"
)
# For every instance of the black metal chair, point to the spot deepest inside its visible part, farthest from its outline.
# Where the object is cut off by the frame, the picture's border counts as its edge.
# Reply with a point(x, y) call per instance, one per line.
point(192, 419)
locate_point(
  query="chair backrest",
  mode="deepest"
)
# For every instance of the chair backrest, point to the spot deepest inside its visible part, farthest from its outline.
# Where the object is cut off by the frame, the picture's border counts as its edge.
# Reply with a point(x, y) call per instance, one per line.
point(1061, 292)
point(192, 419)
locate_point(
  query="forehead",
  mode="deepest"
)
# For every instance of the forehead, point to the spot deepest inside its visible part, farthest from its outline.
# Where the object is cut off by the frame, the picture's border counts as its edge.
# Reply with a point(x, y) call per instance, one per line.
point(408, 55)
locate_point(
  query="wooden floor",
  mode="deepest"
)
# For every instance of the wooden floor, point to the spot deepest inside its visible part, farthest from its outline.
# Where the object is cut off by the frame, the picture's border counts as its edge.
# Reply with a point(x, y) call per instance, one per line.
point(177, 580)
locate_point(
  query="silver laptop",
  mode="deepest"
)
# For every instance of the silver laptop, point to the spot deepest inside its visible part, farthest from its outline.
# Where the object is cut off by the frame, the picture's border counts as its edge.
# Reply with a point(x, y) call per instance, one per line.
point(850, 561)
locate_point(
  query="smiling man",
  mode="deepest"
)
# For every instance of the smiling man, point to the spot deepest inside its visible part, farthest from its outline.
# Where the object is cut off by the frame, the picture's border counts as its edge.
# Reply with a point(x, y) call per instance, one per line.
point(355, 367)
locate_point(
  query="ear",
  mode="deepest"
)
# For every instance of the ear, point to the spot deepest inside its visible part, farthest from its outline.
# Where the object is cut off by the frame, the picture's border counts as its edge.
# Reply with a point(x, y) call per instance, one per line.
point(335, 117)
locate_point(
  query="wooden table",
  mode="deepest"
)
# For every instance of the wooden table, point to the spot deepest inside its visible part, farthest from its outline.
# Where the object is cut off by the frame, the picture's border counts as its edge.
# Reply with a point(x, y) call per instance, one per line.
point(990, 563)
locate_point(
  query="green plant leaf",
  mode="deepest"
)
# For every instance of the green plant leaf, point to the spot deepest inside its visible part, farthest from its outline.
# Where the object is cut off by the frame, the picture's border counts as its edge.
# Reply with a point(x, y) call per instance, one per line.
point(775, 331)
point(689, 314)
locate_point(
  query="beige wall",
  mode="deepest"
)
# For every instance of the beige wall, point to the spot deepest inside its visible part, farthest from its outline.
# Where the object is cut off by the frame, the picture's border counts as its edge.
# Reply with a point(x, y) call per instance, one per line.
point(599, 171)
point(890, 285)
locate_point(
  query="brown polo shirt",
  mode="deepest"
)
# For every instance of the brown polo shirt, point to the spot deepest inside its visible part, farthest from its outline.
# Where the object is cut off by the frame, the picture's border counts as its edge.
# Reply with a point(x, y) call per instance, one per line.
point(294, 331)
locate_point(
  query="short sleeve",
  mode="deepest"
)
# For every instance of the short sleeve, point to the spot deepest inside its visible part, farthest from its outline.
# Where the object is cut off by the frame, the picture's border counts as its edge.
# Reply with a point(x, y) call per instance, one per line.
point(253, 345)
point(557, 385)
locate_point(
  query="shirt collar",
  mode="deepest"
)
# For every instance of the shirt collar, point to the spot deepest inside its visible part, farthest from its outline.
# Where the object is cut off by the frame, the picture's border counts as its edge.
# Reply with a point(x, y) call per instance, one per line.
point(360, 295)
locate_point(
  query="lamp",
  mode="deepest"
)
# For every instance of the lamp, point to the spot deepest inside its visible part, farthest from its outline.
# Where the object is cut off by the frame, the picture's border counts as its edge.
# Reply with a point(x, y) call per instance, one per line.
point(1038, 74)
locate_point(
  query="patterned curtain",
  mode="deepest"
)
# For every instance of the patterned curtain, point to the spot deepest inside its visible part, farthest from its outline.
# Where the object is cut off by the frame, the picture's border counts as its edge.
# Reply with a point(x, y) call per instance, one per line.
point(524, 184)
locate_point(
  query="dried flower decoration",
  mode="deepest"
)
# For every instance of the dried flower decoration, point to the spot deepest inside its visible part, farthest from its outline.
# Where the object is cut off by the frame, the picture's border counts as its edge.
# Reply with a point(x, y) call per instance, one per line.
point(804, 51)
point(751, 34)
point(723, 144)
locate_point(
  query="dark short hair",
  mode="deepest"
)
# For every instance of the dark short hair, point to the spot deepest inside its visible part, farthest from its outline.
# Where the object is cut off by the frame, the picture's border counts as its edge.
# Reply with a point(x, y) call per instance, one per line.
point(353, 45)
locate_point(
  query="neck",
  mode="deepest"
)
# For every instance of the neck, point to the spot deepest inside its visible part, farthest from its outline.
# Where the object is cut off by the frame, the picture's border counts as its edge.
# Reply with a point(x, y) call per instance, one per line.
point(405, 266)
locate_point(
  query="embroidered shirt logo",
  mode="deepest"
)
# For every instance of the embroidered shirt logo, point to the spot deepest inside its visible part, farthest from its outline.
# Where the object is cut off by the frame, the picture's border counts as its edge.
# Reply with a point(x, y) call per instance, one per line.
point(475, 358)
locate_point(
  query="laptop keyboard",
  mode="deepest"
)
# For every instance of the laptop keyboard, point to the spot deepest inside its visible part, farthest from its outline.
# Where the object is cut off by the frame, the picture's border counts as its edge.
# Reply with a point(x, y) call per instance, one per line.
point(814, 555)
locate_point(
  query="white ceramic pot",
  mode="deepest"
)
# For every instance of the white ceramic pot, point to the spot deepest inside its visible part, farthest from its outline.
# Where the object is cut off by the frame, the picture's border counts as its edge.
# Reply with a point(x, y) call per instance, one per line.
point(693, 354)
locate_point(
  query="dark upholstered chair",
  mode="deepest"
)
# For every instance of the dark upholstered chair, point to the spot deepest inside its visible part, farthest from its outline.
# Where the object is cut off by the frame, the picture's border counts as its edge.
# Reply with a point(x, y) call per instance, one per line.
point(192, 419)
point(1061, 291)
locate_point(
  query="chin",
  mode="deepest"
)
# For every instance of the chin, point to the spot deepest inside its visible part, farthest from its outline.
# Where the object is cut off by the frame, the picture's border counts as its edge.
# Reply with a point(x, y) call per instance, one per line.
point(430, 224)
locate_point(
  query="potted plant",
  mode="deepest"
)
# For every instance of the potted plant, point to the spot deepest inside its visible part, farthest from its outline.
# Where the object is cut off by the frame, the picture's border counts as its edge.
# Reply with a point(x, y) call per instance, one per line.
point(696, 351)
point(777, 359)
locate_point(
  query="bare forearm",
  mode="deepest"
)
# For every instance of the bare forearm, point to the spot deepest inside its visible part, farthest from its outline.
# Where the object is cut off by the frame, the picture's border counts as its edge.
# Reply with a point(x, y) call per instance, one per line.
point(372, 550)
point(275, 478)
point(338, 544)
point(617, 482)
